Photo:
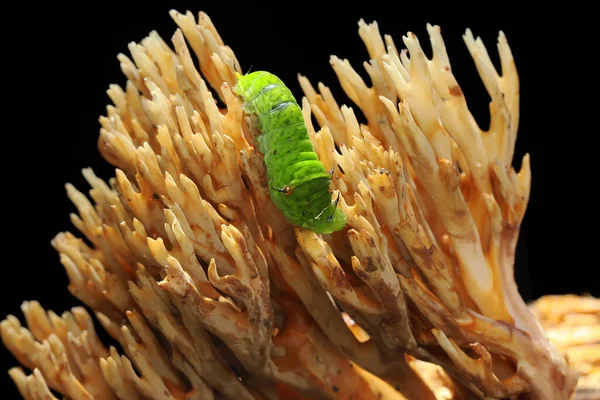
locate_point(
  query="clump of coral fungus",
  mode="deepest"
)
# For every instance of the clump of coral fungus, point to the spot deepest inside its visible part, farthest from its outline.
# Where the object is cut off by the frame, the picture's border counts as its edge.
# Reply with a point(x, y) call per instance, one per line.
point(211, 294)
point(572, 323)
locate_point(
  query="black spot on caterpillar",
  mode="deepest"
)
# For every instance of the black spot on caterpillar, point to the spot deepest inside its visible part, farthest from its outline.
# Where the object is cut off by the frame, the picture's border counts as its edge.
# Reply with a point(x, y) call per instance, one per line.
point(298, 180)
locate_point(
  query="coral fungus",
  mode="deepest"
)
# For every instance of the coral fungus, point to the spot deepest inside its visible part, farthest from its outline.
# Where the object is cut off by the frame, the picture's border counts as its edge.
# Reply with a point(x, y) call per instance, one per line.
point(210, 293)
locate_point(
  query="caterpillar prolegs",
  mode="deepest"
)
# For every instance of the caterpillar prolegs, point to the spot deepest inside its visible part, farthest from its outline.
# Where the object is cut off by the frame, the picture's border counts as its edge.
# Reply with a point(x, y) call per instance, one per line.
point(298, 181)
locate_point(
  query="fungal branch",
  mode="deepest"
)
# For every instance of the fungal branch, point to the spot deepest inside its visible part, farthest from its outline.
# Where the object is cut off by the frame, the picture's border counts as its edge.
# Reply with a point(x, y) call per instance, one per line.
point(442, 208)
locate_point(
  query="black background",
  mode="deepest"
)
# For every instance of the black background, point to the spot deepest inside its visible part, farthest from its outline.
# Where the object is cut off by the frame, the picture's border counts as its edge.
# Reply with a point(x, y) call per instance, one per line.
point(61, 60)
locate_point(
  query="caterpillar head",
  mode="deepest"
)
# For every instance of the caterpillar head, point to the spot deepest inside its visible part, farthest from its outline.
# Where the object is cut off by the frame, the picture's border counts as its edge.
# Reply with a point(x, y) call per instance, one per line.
point(332, 219)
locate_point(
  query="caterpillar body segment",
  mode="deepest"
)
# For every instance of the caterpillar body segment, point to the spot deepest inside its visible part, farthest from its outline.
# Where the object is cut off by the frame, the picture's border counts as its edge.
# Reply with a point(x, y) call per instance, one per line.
point(298, 180)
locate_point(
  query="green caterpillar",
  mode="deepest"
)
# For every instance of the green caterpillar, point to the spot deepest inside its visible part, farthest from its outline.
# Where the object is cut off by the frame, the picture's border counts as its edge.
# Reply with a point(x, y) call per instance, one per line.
point(298, 181)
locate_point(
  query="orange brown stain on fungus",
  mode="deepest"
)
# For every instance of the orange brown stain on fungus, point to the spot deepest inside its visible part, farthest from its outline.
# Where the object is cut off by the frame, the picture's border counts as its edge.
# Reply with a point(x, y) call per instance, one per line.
point(455, 91)
point(559, 378)
point(342, 382)
point(173, 389)
point(293, 337)
point(286, 391)
point(339, 278)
